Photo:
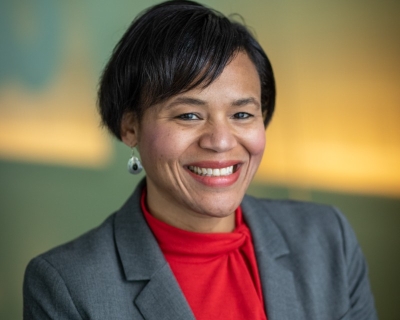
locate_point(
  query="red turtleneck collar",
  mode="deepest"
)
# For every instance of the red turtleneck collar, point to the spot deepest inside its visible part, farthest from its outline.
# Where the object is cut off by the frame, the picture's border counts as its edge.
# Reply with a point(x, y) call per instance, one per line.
point(217, 272)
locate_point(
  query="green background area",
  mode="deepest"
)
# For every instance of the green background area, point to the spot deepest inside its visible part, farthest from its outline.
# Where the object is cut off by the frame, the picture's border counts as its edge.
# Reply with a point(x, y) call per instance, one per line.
point(43, 206)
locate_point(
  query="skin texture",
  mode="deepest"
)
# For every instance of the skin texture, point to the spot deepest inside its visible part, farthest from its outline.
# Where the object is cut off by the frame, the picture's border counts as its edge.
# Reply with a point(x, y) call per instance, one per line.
point(216, 126)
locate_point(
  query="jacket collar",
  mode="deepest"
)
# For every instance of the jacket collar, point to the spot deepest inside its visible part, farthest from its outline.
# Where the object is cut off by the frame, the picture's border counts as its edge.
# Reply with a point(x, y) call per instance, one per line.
point(273, 259)
point(142, 260)
point(140, 255)
point(161, 298)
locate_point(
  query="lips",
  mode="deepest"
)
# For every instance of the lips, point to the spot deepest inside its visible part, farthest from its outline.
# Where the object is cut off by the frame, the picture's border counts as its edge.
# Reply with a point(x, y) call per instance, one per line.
point(215, 174)
point(210, 172)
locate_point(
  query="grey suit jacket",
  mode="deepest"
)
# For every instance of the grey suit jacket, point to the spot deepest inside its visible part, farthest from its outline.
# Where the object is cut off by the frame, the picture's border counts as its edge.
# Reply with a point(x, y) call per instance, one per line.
point(310, 266)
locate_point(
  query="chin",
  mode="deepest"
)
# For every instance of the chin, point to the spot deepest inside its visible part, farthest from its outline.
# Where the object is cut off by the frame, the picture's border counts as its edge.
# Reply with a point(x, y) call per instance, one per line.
point(217, 210)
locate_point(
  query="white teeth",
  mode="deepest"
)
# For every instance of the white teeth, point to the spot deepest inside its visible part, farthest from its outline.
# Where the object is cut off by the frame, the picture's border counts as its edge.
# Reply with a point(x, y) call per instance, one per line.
point(212, 172)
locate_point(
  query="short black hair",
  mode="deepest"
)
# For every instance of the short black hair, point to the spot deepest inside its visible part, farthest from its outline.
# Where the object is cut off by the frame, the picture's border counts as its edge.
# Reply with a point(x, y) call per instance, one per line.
point(171, 48)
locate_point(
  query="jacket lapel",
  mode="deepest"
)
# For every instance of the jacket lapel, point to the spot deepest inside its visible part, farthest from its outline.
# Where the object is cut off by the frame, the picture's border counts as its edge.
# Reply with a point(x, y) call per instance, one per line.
point(142, 260)
point(161, 298)
point(273, 259)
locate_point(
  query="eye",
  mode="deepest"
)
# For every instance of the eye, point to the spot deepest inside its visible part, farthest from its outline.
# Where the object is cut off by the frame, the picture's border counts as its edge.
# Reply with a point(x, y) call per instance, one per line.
point(188, 116)
point(242, 115)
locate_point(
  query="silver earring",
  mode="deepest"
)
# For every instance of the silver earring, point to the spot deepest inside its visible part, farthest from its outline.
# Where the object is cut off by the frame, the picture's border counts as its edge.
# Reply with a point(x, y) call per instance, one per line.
point(134, 165)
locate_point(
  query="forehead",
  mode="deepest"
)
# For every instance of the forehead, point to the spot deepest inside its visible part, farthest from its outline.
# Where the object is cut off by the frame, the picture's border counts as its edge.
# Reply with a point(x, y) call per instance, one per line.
point(239, 81)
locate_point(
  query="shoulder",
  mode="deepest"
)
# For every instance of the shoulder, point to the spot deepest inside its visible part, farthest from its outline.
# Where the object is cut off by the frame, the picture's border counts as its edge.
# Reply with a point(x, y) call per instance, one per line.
point(79, 262)
point(295, 214)
point(57, 281)
point(302, 224)
point(86, 250)
point(318, 245)
point(80, 279)
point(94, 255)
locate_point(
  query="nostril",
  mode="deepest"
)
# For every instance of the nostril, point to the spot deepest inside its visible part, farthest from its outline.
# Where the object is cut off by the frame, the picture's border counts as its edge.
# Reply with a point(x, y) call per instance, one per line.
point(219, 139)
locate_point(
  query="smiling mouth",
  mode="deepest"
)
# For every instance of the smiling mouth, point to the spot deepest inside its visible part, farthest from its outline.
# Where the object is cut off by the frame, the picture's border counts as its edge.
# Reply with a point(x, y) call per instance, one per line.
point(210, 172)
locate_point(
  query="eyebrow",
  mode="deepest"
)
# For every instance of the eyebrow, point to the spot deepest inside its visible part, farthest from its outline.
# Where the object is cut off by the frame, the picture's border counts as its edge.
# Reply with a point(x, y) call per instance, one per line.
point(245, 101)
point(187, 100)
point(199, 102)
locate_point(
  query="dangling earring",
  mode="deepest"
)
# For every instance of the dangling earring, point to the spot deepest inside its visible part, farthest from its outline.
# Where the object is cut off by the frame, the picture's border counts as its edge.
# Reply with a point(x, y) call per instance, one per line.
point(134, 164)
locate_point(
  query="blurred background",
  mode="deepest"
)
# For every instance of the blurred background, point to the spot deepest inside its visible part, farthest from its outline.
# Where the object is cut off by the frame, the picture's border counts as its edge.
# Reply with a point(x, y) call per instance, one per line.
point(335, 137)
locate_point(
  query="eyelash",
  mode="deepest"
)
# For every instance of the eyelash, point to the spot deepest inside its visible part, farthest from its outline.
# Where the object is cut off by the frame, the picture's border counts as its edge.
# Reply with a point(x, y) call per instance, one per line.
point(186, 117)
point(243, 115)
point(193, 116)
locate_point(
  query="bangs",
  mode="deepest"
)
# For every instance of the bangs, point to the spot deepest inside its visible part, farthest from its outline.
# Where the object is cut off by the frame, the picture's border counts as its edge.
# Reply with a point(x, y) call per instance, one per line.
point(189, 53)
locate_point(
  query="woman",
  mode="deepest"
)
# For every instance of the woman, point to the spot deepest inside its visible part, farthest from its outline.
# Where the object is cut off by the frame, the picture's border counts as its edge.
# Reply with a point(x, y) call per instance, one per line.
point(193, 92)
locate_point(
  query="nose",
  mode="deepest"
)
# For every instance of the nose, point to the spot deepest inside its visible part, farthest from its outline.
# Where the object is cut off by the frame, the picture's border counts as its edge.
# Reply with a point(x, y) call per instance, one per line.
point(218, 137)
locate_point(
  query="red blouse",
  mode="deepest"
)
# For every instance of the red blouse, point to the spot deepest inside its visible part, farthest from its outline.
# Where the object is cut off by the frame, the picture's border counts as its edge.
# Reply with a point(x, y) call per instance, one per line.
point(217, 272)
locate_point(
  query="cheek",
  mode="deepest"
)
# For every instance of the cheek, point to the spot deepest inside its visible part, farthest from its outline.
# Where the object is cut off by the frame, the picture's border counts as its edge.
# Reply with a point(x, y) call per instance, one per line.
point(160, 144)
point(256, 142)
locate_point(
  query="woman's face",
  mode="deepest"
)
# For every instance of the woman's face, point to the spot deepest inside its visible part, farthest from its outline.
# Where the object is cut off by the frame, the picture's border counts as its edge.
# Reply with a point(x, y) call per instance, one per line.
point(201, 149)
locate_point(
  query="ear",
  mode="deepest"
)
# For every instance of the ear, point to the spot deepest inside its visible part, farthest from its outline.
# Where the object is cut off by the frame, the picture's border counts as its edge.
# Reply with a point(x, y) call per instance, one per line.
point(129, 129)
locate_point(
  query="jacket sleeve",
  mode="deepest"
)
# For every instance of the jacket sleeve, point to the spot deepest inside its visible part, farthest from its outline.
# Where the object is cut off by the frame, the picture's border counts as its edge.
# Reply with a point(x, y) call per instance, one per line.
point(362, 305)
point(45, 293)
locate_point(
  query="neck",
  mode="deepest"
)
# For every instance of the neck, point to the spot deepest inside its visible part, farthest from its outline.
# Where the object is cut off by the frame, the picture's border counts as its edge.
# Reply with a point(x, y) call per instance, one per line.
point(189, 220)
